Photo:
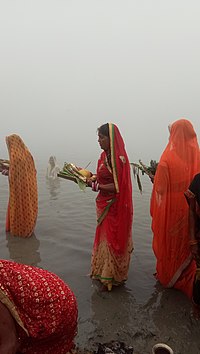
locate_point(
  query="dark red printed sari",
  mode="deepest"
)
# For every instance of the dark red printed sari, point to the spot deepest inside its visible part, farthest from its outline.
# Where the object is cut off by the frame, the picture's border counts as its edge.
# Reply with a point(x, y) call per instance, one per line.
point(43, 306)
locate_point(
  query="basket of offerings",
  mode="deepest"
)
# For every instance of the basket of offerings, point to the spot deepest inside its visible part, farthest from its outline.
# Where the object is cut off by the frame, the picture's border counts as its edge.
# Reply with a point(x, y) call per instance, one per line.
point(76, 174)
point(141, 168)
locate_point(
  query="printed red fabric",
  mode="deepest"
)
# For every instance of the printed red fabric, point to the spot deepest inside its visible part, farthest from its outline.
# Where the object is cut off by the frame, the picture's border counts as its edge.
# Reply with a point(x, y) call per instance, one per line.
point(178, 165)
point(43, 306)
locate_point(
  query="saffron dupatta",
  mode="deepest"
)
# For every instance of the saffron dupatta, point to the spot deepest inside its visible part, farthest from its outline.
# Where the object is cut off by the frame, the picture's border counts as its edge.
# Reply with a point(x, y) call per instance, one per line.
point(115, 211)
point(23, 198)
point(178, 164)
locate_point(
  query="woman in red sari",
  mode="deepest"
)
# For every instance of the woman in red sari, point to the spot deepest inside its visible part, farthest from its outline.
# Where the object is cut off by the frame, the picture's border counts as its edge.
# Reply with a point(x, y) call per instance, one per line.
point(38, 311)
point(113, 240)
point(178, 165)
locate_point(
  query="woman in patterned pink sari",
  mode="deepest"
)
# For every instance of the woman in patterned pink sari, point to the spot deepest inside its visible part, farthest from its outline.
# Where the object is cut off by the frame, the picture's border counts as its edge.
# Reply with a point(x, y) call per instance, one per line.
point(38, 311)
point(113, 240)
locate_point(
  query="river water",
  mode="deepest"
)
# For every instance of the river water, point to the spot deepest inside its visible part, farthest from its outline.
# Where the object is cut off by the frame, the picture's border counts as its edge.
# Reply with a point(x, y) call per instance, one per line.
point(140, 313)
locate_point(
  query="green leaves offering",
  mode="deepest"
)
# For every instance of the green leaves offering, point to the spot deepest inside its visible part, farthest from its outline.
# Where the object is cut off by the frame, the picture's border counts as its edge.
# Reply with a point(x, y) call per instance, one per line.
point(144, 169)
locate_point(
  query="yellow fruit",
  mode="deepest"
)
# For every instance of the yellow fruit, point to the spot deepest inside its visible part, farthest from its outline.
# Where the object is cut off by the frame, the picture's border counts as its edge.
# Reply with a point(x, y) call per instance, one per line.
point(85, 173)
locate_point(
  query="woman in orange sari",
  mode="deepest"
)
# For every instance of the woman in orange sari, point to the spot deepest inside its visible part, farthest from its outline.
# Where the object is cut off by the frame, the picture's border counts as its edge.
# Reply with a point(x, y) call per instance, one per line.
point(113, 240)
point(38, 311)
point(178, 165)
point(23, 198)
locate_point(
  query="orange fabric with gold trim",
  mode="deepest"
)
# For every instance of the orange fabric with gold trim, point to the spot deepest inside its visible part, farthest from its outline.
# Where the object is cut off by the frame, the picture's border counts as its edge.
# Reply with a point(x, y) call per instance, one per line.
point(23, 199)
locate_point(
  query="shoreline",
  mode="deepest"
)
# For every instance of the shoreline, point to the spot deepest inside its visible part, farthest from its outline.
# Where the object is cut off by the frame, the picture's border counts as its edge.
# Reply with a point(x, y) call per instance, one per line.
point(165, 318)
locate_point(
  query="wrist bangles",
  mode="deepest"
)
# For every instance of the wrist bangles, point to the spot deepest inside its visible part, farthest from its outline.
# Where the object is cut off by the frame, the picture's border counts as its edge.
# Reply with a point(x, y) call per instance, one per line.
point(95, 186)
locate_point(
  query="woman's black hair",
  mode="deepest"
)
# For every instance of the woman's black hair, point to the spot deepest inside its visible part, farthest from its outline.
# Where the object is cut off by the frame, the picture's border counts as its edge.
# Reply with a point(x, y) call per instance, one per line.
point(104, 129)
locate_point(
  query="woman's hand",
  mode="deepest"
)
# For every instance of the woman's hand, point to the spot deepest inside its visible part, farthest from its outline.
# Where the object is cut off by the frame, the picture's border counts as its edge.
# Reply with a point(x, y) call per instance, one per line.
point(89, 182)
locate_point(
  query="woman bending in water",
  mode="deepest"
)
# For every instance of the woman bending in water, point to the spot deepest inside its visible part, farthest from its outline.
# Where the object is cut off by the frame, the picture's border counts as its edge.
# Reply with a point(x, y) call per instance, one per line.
point(38, 311)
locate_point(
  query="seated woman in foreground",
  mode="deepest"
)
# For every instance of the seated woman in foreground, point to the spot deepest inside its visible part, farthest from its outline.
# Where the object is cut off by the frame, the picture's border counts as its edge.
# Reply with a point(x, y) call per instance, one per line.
point(38, 311)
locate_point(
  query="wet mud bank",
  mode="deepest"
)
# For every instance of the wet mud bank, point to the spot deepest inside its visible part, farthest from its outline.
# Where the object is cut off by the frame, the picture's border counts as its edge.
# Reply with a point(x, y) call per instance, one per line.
point(167, 317)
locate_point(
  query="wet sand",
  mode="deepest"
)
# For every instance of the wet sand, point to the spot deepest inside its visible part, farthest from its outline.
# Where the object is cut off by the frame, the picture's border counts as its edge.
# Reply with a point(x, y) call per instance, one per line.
point(141, 313)
point(165, 318)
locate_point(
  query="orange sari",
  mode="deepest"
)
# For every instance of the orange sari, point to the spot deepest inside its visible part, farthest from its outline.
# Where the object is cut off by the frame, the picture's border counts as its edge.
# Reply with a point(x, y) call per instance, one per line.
point(178, 165)
point(23, 198)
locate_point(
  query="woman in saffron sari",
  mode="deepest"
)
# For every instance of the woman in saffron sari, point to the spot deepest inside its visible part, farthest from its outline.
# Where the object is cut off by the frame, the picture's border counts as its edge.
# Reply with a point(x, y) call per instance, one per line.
point(178, 165)
point(23, 198)
point(38, 311)
point(113, 240)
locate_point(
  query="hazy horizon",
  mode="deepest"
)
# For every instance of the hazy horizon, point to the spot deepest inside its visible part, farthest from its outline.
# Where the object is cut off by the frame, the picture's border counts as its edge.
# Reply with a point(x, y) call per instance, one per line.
point(68, 66)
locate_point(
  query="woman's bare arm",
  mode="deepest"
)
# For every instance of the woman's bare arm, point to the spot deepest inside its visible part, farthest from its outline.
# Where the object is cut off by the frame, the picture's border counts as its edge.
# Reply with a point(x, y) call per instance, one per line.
point(103, 187)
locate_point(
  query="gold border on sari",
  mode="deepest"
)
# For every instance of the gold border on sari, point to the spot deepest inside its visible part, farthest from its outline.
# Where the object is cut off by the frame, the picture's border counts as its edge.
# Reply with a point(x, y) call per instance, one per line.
point(113, 161)
point(11, 307)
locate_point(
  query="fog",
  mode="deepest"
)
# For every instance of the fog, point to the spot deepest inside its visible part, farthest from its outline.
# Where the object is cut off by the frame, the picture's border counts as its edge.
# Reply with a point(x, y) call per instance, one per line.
point(68, 66)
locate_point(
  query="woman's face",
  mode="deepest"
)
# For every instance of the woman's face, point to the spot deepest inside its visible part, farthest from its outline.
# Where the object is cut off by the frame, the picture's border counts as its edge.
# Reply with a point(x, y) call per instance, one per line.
point(104, 142)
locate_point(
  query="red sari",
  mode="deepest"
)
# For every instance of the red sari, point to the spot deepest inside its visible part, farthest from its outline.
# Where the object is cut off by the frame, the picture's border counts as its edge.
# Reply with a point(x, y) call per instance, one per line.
point(113, 240)
point(178, 164)
point(43, 306)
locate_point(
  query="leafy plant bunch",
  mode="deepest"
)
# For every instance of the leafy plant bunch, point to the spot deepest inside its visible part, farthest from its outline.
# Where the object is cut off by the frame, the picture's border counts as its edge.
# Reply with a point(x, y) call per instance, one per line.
point(144, 169)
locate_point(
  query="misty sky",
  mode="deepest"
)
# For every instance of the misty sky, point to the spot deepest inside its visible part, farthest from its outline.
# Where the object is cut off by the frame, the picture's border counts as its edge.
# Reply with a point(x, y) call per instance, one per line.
point(68, 66)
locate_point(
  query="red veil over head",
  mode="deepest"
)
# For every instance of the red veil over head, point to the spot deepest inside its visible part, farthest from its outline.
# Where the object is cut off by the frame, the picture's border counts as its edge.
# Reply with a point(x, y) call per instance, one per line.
point(178, 164)
point(118, 222)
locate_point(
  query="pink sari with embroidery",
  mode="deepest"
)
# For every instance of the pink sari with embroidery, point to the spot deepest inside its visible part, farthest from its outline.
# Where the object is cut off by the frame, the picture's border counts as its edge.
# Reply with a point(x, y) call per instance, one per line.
point(113, 240)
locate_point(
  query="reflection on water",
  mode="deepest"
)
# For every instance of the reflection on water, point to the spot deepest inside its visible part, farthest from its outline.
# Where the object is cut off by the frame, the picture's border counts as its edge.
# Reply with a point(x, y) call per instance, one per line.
point(24, 250)
point(53, 186)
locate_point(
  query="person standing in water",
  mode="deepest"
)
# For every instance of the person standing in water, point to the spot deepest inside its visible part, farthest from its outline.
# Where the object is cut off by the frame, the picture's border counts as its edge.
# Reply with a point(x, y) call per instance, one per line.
point(180, 161)
point(23, 194)
point(113, 239)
